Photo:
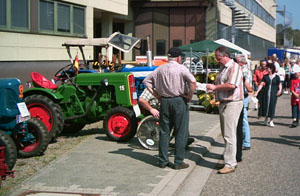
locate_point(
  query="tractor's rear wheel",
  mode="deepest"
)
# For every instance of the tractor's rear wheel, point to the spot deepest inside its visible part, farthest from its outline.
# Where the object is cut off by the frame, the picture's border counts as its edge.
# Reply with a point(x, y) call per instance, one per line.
point(10, 149)
point(120, 124)
point(50, 113)
point(37, 145)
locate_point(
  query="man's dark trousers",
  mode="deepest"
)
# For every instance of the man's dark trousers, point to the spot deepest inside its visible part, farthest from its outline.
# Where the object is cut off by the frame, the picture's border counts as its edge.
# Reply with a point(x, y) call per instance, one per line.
point(174, 112)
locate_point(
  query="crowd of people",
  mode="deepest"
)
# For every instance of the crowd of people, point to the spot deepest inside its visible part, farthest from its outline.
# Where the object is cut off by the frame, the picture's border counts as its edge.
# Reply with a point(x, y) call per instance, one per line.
point(172, 85)
point(272, 79)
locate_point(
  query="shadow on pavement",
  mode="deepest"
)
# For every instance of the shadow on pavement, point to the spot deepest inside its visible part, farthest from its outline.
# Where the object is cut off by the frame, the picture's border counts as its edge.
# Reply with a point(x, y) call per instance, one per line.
point(278, 140)
point(290, 137)
point(282, 124)
point(204, 163)
point(287, 117)
point(146, 158)
point(258, 123)
point(210, 140)
point(134, 143)
point(84, 132)
point(252, 116)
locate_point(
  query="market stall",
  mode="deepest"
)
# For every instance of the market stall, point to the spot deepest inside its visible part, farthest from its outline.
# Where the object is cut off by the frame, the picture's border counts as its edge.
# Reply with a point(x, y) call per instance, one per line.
point(200, 59)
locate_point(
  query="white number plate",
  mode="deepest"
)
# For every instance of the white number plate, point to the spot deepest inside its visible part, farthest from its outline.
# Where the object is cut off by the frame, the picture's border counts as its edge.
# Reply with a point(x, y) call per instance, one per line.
point(23, 109)
point(134, 95)
point(137, 110)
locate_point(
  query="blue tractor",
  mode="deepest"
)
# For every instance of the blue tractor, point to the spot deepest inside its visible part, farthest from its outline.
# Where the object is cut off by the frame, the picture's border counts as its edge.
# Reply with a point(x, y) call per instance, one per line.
point(20, 134)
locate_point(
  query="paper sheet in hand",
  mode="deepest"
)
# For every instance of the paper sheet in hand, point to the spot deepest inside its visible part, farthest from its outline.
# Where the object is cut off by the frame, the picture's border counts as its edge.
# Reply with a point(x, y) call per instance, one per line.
point(201, 86)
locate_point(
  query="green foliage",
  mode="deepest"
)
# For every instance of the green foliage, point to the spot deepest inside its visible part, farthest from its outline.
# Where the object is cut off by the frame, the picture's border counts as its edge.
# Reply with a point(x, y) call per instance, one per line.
point(208, 101)
point(212, 61)
point(201, 77)
point(289, 32)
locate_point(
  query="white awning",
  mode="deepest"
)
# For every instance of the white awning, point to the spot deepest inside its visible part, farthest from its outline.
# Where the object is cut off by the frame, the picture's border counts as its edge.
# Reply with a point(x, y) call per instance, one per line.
point(225, 42)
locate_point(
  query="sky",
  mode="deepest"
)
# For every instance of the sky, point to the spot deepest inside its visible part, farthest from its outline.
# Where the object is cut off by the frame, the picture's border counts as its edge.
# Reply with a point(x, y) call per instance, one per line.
point(292, 8)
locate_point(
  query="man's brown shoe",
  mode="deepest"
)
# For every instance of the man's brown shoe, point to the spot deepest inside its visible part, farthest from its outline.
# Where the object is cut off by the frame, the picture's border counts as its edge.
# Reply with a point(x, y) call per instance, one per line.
point(226, 170)
point(182, 166)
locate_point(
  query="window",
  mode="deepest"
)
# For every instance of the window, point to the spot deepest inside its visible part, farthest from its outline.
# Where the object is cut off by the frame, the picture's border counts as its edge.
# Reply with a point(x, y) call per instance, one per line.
point(161, 47)
point(248, 5)
point(46, 15)
point(19, 13)
point(257, 10)
point(242, 2)
point(2, 12)
point(14, 14)
point(61, 18)
point(78, 20)
point(177, 43)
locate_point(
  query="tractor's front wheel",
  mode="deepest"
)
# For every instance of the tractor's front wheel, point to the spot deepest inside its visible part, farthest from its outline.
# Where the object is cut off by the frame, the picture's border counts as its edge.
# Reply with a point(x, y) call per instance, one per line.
point(120, 124)
point(50, 113)
point(10, 149)
point(37, 139)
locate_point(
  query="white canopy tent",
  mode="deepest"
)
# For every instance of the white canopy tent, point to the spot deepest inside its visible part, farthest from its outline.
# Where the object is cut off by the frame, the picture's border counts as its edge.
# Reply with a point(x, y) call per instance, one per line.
point(225, 42)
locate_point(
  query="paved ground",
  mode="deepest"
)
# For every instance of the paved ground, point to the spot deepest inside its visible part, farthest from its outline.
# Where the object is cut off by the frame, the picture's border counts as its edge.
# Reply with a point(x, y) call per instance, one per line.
point(271, 167)
point(99, 166)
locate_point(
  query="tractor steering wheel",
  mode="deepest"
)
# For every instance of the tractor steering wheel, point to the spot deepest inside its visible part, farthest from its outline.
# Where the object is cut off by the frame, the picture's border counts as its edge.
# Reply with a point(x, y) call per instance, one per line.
point(64, 73)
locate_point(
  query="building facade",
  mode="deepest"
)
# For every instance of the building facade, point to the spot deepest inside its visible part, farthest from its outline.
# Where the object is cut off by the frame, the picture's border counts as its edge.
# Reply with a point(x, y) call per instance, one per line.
point(248, 23)
point(32, 31)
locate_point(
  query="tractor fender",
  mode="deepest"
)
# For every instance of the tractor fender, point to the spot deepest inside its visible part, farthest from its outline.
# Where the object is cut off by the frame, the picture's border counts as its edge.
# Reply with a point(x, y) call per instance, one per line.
point(50, 93)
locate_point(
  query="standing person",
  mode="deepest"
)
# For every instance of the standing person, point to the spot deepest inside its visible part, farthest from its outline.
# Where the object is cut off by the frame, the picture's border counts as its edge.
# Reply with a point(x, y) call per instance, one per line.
point(168, 84)
point(253, 83)
point(295, 98)
point(241, 60)
point(281, 74)
point(148, 102)
point(274, 60)
point(258, 76)
point(272, 85)
point(239, 131)
point(294, 65)
point(229, 91)
point(286, 83)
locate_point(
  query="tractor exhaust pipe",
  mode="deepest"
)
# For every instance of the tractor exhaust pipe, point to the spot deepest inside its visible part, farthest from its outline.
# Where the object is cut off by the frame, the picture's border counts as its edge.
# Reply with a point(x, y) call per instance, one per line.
point(149, 52)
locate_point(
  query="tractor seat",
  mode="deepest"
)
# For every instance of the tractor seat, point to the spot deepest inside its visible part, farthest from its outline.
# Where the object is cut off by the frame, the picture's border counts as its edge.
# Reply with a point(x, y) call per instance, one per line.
point(41, 81)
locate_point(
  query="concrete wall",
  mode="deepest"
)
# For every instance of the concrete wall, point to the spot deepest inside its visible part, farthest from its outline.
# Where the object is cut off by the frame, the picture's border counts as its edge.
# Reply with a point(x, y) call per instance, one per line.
point(260, 28)
point(20, 46)
point(23, 52)
point(224, 14)
point(211, 23)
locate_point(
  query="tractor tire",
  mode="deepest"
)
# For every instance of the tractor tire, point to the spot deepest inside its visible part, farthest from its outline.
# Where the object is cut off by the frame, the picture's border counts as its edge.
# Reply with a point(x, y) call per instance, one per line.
point(120, 124)
point(72, 127)
point(50, 113)
point(10, 149)
point(41, 139)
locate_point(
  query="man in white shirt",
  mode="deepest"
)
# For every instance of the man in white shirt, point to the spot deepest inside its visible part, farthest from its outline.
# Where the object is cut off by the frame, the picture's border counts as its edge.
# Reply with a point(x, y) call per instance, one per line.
point(293, 67)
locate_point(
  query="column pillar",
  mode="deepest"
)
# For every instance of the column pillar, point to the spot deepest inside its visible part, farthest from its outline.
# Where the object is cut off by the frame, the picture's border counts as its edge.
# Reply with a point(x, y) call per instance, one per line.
point(107, 28)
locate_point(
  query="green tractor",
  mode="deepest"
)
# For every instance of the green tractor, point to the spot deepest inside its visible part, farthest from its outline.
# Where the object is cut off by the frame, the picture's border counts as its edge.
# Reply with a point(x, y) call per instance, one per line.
point(86, 98)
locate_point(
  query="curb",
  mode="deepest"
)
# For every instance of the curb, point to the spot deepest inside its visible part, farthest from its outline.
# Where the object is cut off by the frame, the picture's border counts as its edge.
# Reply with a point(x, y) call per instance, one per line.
point(177, 177)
